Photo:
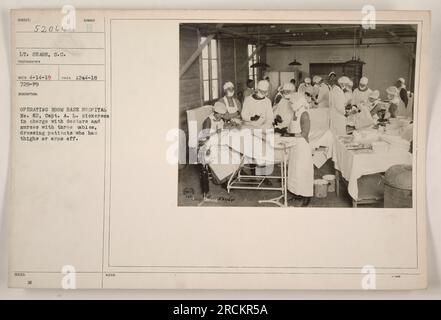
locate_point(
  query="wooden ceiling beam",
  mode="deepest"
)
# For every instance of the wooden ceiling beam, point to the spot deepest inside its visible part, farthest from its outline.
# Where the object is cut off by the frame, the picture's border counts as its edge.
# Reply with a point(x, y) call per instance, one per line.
point(229, 32)
point(254, 38)
point(401, 42)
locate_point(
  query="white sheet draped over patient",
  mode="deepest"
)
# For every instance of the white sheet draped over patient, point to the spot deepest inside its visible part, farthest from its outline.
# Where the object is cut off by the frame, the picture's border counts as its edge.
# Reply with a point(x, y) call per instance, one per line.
point(224, 151)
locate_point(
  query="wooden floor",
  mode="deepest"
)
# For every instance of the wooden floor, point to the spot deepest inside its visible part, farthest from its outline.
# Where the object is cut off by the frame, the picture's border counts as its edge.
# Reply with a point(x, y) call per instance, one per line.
point(190, 194)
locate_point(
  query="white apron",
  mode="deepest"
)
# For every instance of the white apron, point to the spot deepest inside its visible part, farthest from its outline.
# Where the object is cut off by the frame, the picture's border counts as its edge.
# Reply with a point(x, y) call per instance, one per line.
point(337, 102)
point(284, 110)
point(323, 96)
point(300, 166)
point(348, 97)
point(231, 109)
point(402, 111)
point(359, 97)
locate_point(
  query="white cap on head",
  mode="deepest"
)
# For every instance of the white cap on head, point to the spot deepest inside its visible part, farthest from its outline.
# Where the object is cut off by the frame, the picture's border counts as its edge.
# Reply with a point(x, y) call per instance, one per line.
point(402, 80)
point(228, 85)
point(332, 73)
point(220, 108)
point(288, 86)
point(392, 90)
point(263, 85)
point(375, 94)
point(307, 80)
point(316, 79)
point(364, 81)
point(344, 80)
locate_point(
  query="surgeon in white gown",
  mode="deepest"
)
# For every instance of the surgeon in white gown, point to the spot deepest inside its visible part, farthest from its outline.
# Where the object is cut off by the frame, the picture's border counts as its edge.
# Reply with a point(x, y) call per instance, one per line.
point(361, 94)
point(257, 115)
point(283, 112)
point(337, 104)
point(300, 165)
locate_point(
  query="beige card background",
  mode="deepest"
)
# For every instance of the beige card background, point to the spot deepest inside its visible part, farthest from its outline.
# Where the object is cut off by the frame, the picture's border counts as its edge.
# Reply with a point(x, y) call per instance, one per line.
point(113, 214)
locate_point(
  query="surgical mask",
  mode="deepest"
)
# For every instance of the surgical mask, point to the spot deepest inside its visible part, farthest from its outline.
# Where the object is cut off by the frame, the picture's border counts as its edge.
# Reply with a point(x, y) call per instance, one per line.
point(261, 94)
point(230, 93)
point(362, 87)
point(286, 94)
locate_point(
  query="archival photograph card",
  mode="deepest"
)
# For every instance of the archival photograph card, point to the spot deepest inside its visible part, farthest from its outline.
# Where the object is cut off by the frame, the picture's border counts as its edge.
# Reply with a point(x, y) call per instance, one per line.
point(218, 149)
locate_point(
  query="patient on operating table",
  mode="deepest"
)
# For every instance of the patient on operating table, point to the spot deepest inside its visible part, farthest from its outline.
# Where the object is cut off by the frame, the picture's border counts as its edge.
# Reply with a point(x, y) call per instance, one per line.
point(214, 122)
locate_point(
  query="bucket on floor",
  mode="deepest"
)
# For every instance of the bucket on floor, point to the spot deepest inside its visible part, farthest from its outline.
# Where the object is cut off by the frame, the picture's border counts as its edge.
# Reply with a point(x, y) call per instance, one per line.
point(320, 188)
point(398, 187)
point(331, 182)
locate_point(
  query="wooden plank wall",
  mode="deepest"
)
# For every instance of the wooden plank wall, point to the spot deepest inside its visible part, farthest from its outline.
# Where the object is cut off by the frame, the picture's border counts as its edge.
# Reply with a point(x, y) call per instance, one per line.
point(227, 63)
point(233, 57)
point(190, 82)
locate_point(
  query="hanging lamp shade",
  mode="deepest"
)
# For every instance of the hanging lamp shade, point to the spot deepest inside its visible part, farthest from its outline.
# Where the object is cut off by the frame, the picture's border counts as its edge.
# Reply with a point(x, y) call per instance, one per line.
point(260, 65)
point(295, 63)
point(355, 61)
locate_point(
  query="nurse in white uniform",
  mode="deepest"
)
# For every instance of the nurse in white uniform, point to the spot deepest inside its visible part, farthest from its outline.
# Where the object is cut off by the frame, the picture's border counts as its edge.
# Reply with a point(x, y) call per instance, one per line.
point(283, 112)
point(322, 99)
point(306, 86)
point(231, 103)
point(348, 92)
point(337, 104)
point(404, 109)
point(300, 165)
point(362, 93)
point(396, 105)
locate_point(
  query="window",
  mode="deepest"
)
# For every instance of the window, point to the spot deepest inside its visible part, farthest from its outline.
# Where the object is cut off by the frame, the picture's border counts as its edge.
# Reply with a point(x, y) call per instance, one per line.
point(210, 71)
point(252, 72)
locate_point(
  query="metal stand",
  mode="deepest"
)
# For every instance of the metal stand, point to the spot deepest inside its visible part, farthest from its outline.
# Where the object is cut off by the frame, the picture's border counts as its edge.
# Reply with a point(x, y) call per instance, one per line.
point(277, 201)
point(253, 182)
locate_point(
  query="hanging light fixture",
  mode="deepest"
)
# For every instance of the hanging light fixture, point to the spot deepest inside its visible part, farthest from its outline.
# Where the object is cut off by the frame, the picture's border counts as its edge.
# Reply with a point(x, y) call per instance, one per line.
point(295, 63)
point(355, 60)
point(259, 64)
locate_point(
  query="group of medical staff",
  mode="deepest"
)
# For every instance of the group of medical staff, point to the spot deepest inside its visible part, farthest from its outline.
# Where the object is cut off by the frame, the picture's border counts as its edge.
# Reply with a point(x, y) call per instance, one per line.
point(338, 95)
point(257, 112)
point(288, 115)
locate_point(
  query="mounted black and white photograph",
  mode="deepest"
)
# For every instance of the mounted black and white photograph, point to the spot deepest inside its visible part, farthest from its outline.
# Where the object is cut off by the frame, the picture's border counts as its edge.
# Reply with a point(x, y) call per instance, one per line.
point(297, 115)
point(221, 150)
